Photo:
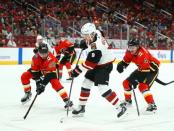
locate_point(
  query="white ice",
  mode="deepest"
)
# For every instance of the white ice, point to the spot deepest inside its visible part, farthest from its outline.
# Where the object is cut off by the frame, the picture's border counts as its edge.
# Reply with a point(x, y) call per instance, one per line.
point(100, 115)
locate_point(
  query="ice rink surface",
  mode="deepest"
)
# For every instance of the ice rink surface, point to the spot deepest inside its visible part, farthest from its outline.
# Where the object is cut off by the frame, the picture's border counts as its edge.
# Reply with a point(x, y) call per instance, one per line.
point(48, 108)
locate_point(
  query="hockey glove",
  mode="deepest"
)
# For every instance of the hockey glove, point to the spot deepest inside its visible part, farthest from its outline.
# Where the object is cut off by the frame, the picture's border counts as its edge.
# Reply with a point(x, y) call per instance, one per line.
point(65, 59)
point(121, 65)
point(38, 81)
point(83, 45)
point(134, 84)
point(76, 72)
point(40, 88)
point(58, 57)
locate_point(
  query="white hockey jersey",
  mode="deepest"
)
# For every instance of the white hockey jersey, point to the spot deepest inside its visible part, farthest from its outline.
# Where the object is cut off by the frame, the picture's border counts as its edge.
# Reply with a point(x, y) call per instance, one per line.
point(102, 45)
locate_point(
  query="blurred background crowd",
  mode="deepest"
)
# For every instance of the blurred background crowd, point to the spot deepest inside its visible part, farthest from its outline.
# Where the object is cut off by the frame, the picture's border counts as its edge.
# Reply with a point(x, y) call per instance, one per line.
point(150, 21)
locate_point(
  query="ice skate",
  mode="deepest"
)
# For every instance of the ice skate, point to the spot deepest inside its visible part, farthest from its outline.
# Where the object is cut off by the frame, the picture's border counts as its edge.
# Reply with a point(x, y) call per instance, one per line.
point(127, 103)
point(59, 78)
point(152, 108)
point(26, 97)
point(121, 110)
point(69, 104)
point(69, 79)
point(79, 111)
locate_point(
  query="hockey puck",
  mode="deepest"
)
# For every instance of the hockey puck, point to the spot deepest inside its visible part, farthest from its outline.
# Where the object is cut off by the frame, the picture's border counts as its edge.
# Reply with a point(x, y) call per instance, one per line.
point(61, 120)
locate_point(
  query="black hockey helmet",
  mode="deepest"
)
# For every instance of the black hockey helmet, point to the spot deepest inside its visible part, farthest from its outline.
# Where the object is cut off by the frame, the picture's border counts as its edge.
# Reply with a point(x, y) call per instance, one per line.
point(133, 42)
point(43, 50)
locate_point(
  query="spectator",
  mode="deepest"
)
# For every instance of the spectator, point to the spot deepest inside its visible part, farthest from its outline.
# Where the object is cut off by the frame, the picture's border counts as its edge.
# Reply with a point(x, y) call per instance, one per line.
point(11, 42)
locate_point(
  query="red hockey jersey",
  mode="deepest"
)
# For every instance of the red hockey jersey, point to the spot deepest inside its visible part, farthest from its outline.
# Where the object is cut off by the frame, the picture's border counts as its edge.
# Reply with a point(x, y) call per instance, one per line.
point(142, 59)
point(63, 46)
point(44, 65)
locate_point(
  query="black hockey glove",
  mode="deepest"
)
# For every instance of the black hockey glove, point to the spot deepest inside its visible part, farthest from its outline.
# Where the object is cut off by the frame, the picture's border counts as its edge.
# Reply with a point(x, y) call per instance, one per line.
point(134, 84)
point(83, 45)
point(40, 88)
point(58, 57)
point(38, 81)
point(76, 71)
point(121, 66)
point(65, 59)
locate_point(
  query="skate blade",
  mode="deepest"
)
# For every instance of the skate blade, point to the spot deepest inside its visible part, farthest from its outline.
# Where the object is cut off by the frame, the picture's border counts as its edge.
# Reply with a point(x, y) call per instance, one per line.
point(69, 79)
point(23, 103)
point(150, 112)
point(122, 115)
point(70, 109)
point(78, 115)
point(129, 106)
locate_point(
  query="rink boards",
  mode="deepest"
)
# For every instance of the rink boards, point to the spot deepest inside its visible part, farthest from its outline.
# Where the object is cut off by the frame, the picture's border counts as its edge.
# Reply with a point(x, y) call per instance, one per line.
point(13, 56)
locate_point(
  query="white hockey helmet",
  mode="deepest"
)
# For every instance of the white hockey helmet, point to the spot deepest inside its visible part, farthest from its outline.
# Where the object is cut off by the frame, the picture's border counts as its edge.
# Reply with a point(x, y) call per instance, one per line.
point(88, 29)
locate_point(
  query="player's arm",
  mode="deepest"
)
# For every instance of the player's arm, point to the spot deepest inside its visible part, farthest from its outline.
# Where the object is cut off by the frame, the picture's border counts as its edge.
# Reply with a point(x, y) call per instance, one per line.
point(35, 71)
point(154, 64)
point(91, 62)
point(49, 74)
point(124, 63)
point(69, 50)
point(92, 59)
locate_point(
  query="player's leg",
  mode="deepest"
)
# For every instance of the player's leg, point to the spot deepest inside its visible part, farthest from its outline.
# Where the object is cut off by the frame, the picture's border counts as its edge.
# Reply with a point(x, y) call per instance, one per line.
point(102, 81)
point(25, 79)
point(60, 71)
point(84, 93)
point(57, 86)
point(128, 84)
point(68, 67)
point(148, 95)
point(127, 93)
point(144, 89)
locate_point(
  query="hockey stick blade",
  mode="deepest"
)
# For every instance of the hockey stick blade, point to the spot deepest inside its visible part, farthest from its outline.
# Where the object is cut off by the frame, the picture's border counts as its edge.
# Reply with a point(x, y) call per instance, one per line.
point(163, 83)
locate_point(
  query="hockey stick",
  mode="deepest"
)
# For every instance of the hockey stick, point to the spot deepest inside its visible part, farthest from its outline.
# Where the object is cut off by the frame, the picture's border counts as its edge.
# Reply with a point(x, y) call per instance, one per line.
point(135, 98)
point(57, 67)
point(73, 82)
point(163, 83)
point(26, 114)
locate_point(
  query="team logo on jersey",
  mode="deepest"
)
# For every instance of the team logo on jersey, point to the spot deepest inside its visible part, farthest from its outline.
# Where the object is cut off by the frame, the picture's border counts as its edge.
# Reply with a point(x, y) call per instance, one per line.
point(93, 55)
point(140, 54)
point(145, 60)
point(52, 64)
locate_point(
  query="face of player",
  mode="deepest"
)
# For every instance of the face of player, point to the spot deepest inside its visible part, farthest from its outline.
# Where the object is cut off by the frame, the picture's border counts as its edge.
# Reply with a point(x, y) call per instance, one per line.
point(133, 49)
point(43, 55)
point(39, 40)
point(88, 38)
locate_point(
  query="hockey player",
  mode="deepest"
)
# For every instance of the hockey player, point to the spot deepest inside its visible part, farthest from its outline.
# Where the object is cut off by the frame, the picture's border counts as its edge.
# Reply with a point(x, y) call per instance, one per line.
point(65, 55)
point(143, 76)
point(98, 64)
point(40, 39)
point(43, 65)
